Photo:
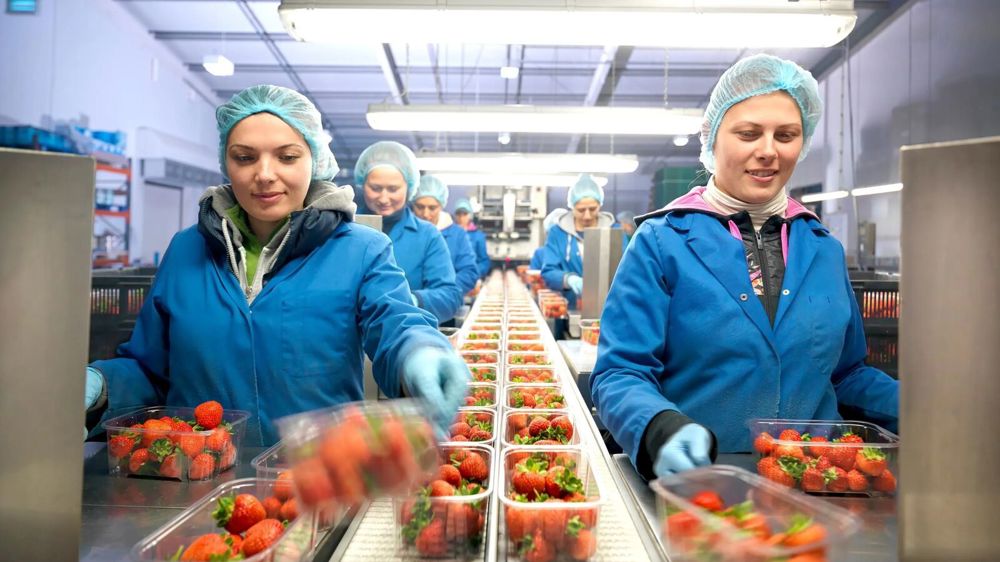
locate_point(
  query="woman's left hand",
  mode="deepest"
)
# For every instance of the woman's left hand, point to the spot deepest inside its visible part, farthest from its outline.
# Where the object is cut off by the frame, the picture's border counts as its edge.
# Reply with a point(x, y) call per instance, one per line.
point(441, 378)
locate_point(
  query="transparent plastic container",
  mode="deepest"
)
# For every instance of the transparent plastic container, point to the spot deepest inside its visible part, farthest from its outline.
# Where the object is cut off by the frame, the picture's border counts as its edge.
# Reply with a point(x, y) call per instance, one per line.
point(534, 397)
point(475, 424)
point(521, 319)
point(690, 532)
point(529, 374)
point(532, 358)
point(486, 326)
point(480, 345)
point(488, 318)
point(565, 530)
point(448, 526)
point(168, 454)
point(273, 464)
point(481, 395)
point(517, 421)
point(476, 336)
point(524, 336)
point(484, 373)
point(526, 345)
point(171, 539)
point(480, 357)
point(869, 467)
point(557, 307)
point(590, 331)
point(522, 328)
point(347, 454)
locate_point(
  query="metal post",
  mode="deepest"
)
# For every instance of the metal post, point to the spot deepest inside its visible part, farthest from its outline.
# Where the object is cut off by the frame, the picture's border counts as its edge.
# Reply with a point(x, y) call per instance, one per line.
point(602, 250)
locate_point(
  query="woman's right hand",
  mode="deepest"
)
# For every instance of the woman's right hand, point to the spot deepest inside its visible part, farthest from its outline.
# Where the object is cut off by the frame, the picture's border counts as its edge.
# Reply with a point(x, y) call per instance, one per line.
point(93, 388)
point(687, 449)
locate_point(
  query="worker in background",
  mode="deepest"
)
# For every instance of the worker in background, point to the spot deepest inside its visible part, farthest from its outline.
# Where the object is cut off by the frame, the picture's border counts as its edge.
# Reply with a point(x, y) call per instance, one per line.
point(269, 303)
point(550, 219)
point(464, 216)
point(428, 202)
point(562, 255)
point(627, 221)
point(385, 175)
point(733, 301)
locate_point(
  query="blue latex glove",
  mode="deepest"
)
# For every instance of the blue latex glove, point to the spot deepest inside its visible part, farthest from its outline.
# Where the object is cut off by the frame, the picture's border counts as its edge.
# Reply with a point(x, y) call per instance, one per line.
point(687, 449)
point(441, 378)
point(575, 282)
point(93, 388)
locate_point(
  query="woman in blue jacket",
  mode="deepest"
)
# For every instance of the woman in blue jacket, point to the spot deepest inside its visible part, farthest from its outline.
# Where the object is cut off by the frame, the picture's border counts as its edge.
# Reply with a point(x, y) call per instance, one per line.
point(269, 303)
point(463, 216)
point(733, 302)
point(562, 254)
point(428, 202)
point(385, 174)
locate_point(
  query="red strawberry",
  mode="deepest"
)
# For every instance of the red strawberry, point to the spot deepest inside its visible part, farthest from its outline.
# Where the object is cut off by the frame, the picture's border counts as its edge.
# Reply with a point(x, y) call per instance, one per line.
point(480, 434)
point(823, 463)
point(154, 430)
point(217, 439)
point(192, 444)
point(884, 482)
point(849, 437)
point(462, 521)
point(460, 428)
point(120, 445)
point(553, 523)
point(764, 443)
point(784, 471)
point(517, 421)
point(205, 547)
point(856, 481)
point(583, 546)
point(709, 500)
point(563, 426)
point(788, 451)
point(227, 457)
point(813, 480)
point(842, 456)
point(312, 482)
point(202, 467)
point(520, 523)
point(239, 513)
point(170, 467)
point(178, 427)
point(208, 414)
point(474, 468)
point(235, 543)
point(790, 435)
point(283, 485)
point(870, 460)
point(450, 474)
point(289, 511)
point(537, 549)
point(538, 425)
point(836, 479)
point(441, 488)
point(460, 438)
point(272, 505)
point(817, 450)
point(681, 525)
point(431, 540)
point(528, 400)
point(261, 536)
point(139, 458)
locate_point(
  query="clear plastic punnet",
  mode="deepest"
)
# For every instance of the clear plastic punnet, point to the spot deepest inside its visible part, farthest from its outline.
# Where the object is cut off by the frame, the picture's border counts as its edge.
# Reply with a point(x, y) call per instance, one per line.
point(539, 428)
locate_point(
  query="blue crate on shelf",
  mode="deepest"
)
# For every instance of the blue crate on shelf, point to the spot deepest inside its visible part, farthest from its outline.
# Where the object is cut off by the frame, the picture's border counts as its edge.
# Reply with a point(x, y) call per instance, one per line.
point(35, 139)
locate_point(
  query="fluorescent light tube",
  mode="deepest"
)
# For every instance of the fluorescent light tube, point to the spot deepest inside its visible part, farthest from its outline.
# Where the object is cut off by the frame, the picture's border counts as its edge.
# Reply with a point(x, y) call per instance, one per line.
point(513, 179)
point(876, 189)
point(218, 65)
point(513, 162)
point(710, 24)
point(534, 119)
point(826, 196)
point(509, 72)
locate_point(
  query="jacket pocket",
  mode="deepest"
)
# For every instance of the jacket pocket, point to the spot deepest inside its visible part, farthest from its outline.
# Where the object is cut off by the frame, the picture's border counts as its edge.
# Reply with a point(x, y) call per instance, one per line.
point(319, 333)
point(829, 320)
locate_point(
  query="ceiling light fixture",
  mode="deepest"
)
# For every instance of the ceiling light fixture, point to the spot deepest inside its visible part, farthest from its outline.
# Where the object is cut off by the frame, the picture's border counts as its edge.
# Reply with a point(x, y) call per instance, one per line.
point(218, 65)
point(876, 189)
point(513, 179)
point(534, 119)
point(825, 196)
point(503, 138)
point(509, 72)
point(514, 162)
point(681, 140)
point(640, 23)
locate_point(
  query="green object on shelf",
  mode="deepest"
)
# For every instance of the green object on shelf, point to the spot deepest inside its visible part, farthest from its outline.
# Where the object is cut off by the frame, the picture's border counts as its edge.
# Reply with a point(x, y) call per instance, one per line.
point(669, 183)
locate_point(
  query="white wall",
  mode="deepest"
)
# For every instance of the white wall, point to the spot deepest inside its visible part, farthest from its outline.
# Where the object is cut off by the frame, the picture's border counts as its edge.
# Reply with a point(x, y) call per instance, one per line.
point(91, 57)
point(931, 74)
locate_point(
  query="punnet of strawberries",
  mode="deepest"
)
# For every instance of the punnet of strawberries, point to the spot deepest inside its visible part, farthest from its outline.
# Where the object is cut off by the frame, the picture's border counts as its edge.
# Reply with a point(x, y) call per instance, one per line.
point(481, 395)
point(519, 336)
point(521, 320)
point(531, 375)
point(839, 462)
point(528, 358)
point(483, 373)
point(490, 335)
point(175, 443)
point(550, 506)
point(525, 346)
point(522, 328)
point(447, 516)
point(473, 424)
point(480, 345)
point(536, 397)
point(479, 358)
point(539, 428)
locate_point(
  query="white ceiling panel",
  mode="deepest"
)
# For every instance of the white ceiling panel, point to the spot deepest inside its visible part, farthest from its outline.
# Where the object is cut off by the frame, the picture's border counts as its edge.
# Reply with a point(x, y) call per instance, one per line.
point(240, 52)
point(190, 16)
point(320, 53)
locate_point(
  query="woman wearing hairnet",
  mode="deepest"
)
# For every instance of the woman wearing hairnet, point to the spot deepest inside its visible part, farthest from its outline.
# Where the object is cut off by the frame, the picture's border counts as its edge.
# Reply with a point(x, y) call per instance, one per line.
point(385, 174)
point(562, 255)
point(733, 301)
point(463, 216)
point(269, 303)
point(550, 219)
point(428, 202)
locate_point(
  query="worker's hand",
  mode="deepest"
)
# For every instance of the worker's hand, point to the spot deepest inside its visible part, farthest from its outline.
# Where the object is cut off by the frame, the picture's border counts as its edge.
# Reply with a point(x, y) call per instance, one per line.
point(93, 388)
point(575, 282)
point(686, 449)
point(441, 378)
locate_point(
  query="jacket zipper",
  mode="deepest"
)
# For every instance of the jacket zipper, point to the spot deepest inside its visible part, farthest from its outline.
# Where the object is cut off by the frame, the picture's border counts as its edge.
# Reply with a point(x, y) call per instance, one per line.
point(759, 251)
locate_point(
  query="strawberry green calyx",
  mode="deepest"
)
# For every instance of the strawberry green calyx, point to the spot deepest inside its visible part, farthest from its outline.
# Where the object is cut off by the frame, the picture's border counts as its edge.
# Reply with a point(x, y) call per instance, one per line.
point(569, 482)
point(177, 555)
point(574, 526)
point(873, 454)
point(224, 512)
point(792, 466)
point(739, 511)
point(161, 449)
point(829, 475)
point(798, 523)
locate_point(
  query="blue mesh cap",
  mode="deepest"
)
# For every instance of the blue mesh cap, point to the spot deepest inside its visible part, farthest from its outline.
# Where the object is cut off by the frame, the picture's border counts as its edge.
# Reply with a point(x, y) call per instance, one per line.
point(585, 187)
point(289, 106)
point(390, 154)
point(430, 186)
point(463, 204)
point(754, 76)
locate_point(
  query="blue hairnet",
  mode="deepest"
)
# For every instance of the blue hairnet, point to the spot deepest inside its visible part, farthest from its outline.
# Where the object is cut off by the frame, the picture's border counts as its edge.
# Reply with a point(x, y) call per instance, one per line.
point(463, 204)
point(391, 154)
point(430, 186)
point(585, 187)
point(291, 107)
point(754, 76)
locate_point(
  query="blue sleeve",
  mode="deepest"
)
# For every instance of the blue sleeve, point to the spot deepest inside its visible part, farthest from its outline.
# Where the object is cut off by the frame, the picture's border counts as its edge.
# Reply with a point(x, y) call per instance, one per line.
point(440, 294)
point(536, 259)
point(466, 270)
point(858, 385)
point(483, 257)
point(392, 328)
point(625, 383)
point(554, 267)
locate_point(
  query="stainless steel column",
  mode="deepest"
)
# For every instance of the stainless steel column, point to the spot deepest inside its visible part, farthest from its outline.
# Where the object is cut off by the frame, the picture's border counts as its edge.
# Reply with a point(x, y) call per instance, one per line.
point(950, 351)
point(46, 225)
point(370, 386)
point(602, 250)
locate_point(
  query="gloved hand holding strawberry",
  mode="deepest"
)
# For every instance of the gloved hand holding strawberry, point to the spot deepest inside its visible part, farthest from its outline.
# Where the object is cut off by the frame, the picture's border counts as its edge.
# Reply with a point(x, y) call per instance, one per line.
point(441, 378)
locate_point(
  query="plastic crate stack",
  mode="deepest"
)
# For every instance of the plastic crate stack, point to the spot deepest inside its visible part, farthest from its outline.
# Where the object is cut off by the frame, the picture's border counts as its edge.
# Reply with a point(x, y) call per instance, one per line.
point(878, 301)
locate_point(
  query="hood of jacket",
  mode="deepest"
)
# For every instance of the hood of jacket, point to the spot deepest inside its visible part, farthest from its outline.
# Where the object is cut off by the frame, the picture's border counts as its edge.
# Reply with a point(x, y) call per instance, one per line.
point(694, 201)
point(566, 222)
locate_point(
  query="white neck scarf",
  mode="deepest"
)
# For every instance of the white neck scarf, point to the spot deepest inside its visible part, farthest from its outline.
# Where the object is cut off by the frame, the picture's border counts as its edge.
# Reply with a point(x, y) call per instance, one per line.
point(759, 212)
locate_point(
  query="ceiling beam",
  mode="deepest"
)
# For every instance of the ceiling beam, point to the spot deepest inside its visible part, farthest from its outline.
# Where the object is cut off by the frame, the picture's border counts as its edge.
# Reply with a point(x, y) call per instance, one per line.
point(231, 36)
point(387, 62)
point(601, 89)
point(494, 98)
point(865, 30)
point(433, 55)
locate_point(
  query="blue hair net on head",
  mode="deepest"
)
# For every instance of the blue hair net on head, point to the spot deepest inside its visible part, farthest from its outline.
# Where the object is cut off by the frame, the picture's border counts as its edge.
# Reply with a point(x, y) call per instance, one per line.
point(430, 186)
point(754, 76)
point(291, 107)
point(390, 154)
point(463, 204)
point(585, 187)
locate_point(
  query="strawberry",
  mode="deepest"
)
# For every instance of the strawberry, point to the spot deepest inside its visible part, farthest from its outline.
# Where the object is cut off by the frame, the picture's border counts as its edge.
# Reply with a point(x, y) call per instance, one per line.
point(785, 471)
point(289, 511)
point(764, 443)
point(431, 540)
point(283, 485)
point(480, 434)
point(813, 480)
point(538, 425)
point(856, 481)
point(441, 488)
point(460, 428)
point(139, 458)
point(836, 479)
point(822, 463)
point(520, 523)
point(208, 414)
point(803, 531)
point(272, 505)
point(849, 437)
point(191, 444)
point(790, 435)
point(463, 521)
point(537, 549)
point(709, 500)
point(884, 482)
point(681, 525)
point(474, 468)
point(120, 446)
point(561, 426)
point(312, 482)
point(235, 543)
point(817, 450)
point(217, 439)
point(202, 467)
point(553, 522)
point(583, 546)
point(460, 438)
point(517, 421)
point(154, 430)
point(788, 451)
point(239, 513)
point(227, 457)
point(870, 460)
point(170, 467)
point(179, 427)
point(842, 456)
point(450, 474)
point(261, 536)
point(205, 548)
